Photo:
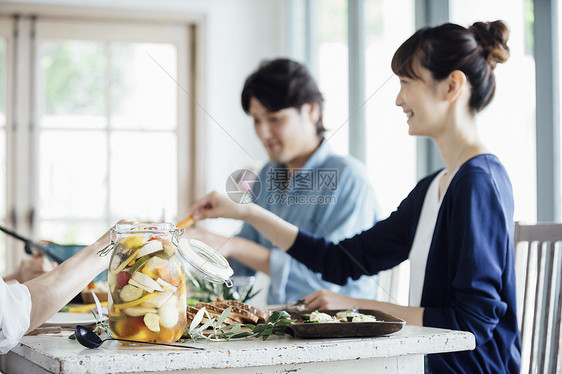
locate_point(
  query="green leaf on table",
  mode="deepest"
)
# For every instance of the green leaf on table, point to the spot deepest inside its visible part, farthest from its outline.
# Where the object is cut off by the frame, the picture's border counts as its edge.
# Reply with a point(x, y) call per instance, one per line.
point(229, 327)
point(197, 319)
point(223, 316)
point(98, 306)
point(277, 316)
point(250, 326)
point(202, 328)
point(282, 330)
point(277, 324)
point(259, 328)
point(243, 334)
point(235, 329)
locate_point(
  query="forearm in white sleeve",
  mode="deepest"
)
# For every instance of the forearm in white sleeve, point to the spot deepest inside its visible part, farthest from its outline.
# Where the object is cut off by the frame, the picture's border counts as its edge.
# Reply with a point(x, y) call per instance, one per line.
point(15, 311)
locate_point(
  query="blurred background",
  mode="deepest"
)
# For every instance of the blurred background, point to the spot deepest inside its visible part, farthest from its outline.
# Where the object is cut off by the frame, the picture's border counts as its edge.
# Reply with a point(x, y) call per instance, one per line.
point(131, 109)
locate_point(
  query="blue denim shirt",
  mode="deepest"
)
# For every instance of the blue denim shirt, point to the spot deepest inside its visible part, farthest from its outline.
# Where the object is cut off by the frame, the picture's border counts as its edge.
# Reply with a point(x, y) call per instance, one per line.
point(331, 197)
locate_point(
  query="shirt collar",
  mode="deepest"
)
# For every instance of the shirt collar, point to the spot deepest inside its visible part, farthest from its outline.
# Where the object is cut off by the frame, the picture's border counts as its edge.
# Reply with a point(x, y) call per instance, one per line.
point(318, 157)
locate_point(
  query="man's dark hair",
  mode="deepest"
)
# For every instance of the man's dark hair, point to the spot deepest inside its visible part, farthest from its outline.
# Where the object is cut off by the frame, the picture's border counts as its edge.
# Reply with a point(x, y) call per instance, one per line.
point(280, 84)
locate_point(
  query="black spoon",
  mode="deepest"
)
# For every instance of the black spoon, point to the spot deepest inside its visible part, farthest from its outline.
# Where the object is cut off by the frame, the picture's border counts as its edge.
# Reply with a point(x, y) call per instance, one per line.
point(90, 339)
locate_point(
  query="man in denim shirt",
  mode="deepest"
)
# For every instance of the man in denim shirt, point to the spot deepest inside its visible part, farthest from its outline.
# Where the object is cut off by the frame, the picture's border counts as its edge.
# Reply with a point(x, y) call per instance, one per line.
point(305, 183)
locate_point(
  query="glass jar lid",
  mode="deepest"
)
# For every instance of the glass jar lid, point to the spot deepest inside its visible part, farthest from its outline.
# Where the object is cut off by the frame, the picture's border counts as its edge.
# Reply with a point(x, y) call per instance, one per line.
point(144, 228)
point(204, 261)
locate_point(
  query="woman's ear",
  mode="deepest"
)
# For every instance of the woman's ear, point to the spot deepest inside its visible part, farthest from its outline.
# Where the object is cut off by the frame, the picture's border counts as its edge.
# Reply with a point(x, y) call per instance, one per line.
point(456, 85)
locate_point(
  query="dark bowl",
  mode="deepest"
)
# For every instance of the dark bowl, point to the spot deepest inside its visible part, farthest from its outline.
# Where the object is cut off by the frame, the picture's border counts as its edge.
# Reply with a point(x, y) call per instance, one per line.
point(386, 324)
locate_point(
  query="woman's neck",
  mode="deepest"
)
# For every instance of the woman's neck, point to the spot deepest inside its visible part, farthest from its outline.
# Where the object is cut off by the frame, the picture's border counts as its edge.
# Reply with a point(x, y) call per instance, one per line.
point(459, 142)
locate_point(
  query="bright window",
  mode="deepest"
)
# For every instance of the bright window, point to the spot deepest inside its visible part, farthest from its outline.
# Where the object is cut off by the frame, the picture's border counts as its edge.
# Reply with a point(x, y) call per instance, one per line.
point(108, 130)
point(103, 127)
point(507, 126)
point(331, 51)
point(387, 132)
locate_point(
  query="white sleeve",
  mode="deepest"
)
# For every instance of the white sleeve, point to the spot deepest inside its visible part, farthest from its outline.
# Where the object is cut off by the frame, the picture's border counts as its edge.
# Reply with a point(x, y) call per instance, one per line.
point(15, 311)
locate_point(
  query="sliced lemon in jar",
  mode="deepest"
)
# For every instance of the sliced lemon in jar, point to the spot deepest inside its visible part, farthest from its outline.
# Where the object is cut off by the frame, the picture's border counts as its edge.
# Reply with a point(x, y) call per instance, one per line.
point(152, 321)
point(169, 248)
point(137, 311)
point(146, 281)
point(136, 302)
point(130, 293)
point(159, 300)
point(138, 263)
point(133, 241)
point(150, 247)
point(124, 263)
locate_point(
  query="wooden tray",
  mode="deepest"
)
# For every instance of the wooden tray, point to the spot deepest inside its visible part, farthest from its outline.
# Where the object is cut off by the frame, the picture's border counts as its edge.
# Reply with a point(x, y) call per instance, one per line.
point(386, 324)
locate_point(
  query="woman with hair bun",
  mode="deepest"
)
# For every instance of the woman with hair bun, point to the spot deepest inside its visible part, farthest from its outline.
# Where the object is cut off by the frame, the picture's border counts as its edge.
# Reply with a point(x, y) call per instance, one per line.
point(455, 226)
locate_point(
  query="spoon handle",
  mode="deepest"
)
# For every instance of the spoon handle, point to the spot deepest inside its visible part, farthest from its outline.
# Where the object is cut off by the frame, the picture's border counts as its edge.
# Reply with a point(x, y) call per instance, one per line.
point(153, 343)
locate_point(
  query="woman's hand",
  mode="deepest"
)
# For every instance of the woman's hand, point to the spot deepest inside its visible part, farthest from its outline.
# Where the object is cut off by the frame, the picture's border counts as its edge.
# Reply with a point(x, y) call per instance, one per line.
point(215, 205)
point(324, 299)
point(281, 233)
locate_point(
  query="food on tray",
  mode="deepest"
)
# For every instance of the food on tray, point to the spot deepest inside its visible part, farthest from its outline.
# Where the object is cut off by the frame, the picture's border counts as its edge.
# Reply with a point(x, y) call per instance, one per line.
point(346, 324)
point(240, 312)
point(317, 316)
point(147, 290)
point(342, 316)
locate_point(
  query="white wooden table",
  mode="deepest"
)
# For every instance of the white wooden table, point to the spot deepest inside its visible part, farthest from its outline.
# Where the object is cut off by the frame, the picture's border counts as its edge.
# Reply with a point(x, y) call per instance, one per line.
point(401, 352)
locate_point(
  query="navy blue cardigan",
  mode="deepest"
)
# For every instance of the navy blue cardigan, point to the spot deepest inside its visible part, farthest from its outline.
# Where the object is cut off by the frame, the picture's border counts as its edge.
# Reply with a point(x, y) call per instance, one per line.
point(469, 277)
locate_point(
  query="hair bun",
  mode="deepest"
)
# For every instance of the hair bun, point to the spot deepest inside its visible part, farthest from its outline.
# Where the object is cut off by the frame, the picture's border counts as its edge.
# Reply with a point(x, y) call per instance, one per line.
point(492, 36)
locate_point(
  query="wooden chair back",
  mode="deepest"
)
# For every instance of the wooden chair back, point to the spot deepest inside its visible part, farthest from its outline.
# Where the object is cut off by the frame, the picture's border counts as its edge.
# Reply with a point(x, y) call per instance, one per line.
point(539, 295)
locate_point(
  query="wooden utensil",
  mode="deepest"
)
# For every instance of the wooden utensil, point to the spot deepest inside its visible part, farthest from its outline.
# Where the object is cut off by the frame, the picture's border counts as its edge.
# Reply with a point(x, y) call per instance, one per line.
point(186, 223)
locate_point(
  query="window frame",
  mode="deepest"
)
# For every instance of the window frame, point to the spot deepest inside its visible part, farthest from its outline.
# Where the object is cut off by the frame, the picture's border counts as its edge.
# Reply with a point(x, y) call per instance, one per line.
point(547, 91)
point(21, 197)
point(431, 13)
point(434, 12)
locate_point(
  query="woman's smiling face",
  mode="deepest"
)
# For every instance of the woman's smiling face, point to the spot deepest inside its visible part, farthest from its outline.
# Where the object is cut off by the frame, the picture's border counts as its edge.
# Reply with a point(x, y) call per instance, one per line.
point(423, 102)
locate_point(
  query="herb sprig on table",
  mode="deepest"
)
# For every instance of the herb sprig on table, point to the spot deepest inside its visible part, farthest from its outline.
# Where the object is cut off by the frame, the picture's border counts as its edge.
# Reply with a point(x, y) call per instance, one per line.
point(101, 322)
point(206, 291)
point(276, 324)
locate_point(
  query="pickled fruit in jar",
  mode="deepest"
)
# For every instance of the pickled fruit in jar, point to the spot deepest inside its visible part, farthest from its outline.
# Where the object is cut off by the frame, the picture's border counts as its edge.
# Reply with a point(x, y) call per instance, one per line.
point(147, 290)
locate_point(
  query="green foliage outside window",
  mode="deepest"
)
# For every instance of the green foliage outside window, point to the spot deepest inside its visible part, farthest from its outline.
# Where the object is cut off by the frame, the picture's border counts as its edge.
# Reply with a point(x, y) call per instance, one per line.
point(529, 15)
point(76, 77)
point(332, 21)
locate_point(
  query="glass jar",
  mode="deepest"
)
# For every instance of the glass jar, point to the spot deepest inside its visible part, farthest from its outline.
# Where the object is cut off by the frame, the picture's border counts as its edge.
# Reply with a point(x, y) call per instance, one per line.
point(147, 272)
